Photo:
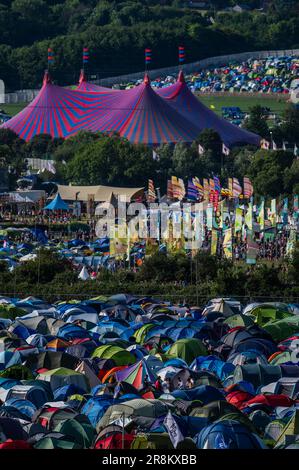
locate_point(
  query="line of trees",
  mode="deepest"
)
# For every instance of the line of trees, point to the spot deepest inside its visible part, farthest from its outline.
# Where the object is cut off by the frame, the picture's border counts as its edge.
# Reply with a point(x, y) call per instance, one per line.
point(116, 33)
point(170, 276)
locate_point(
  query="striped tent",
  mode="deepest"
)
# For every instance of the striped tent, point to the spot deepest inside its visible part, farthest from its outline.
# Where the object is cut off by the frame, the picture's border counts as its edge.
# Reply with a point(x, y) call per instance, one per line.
point(136, 375)
point(183, 100)
point(140, 114)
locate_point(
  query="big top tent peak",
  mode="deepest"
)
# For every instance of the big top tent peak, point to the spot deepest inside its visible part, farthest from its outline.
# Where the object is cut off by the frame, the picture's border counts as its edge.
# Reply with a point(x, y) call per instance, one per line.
point(181, 98)
point(84, 85)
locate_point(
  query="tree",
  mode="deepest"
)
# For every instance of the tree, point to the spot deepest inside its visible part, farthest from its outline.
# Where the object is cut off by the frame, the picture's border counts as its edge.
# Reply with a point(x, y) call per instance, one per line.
point(211, 159)
point(256, 122)
point(267, 171)
point(111, 160)
point(291, 178)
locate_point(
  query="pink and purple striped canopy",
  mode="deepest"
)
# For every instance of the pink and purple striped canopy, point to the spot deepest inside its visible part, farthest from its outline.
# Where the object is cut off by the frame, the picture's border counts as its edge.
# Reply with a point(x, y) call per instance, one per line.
point(142, 115)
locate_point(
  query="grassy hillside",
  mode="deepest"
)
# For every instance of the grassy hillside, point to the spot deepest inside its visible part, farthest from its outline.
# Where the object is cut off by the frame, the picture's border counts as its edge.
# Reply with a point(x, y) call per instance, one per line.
point(116, 33)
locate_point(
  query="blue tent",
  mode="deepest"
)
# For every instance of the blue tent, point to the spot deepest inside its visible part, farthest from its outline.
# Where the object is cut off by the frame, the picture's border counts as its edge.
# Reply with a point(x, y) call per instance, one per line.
point(57, 204)
point(227, 434)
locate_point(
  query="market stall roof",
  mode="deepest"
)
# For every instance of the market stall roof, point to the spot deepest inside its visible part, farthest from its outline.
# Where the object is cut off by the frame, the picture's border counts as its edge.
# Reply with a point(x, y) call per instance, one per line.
point(99, 192)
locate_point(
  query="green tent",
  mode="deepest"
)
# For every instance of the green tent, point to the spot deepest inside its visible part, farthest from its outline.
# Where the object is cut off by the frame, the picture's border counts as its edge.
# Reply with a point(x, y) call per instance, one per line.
point(257, 374)
point(120, 356)
point(141, 333)
point(267, 312)
point(187, 349)
point(10, 311)
point(282, 329)
point(77, 429)
point(147, 409)
point(18, 372)
point(55, 443)
point(63, 376)
point(281, 358)
point(289, 432)
point(239, 320)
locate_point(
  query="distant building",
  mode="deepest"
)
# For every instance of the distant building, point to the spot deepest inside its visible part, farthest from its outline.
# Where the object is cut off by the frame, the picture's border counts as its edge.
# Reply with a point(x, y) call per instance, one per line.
point(240, 8)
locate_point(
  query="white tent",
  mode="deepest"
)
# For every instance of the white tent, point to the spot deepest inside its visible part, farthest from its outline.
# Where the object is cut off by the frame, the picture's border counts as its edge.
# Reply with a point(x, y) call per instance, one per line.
point(83, 274)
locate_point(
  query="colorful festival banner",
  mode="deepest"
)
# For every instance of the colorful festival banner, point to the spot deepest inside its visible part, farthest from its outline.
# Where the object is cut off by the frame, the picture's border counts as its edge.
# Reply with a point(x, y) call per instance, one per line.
point(214, 242)
point(209, 217)
point(224, 222)
point(238, 220)
point(248, 188)
point(261, 215)
point(227, 243)
point(248, 217)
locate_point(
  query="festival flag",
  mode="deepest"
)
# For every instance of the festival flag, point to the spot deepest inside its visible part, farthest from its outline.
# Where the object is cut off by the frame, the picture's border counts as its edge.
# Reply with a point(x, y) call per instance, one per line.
point(50, 56)
point(225, 150)
point(224, 221)
point(181, 54)
point(272, 214)
point(284, 146)
point(274, 146)
point(230, 187)
point(118, 247)
point(261, 216)
point(198, 186)
point(178, 188)
point(285, 211)
point(296, 203)
point(201, 150)
point(214, 199)
point(192, 192)
point(85, 56)
point(169, 189)
point(209, 213)
point(265, 144)
point(224, 192)
point(291, 243)
point(296, 152)
point(173, 429)
point(227, 243)
point(252, 250)
point(248, 188)
point(214, 242)
point(206, 189)
point(238, 220)
point(151, 193)
point(148, 56)
point(155, 155)
point(217, 184)
point(237, 188)
point(248, 217)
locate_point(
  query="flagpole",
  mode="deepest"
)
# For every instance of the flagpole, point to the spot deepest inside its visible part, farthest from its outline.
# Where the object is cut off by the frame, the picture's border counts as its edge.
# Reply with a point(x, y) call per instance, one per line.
point(123, 431)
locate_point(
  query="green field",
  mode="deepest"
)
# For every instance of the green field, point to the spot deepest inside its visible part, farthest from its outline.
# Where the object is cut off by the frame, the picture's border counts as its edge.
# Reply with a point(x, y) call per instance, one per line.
point(277, 105)
point(12, 109)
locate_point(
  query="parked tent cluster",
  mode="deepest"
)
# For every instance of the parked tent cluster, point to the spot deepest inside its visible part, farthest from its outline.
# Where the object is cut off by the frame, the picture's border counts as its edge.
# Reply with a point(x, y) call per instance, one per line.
point(109, 373)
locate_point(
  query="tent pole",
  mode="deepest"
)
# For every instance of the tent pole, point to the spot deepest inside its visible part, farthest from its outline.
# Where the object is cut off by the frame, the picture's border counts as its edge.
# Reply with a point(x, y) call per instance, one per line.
point(123, 432)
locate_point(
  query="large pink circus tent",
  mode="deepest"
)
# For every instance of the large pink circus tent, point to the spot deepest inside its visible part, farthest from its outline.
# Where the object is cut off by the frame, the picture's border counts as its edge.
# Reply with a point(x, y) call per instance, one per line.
point(140, 114)
point(181, 98)
point(84, 85)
